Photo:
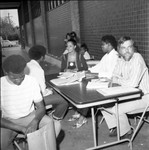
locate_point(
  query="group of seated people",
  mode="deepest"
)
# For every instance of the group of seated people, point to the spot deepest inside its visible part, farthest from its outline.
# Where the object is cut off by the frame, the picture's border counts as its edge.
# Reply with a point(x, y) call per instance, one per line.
point(24, 93)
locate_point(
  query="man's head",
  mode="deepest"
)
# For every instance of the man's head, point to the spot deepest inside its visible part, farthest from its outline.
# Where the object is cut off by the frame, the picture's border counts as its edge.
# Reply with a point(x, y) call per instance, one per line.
point(108, 43)
point(126, 47)
point(37, 52)
point(14, 67)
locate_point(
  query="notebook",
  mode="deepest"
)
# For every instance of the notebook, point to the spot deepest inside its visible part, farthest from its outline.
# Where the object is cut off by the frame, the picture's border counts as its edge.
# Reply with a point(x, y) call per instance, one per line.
point(69, 78)
point(116, 90)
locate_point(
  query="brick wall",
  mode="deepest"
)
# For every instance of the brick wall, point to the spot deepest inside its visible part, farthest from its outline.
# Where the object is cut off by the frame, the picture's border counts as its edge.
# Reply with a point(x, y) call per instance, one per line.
point(59, 23)
point(39, 32)
point(117, 17)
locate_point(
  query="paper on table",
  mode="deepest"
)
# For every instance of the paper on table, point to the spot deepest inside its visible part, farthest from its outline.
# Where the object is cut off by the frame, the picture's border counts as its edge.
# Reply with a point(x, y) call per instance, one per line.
point(116, 90)
point(66, 81)
point(66, 74)
point(96, 84)
point(62, 81)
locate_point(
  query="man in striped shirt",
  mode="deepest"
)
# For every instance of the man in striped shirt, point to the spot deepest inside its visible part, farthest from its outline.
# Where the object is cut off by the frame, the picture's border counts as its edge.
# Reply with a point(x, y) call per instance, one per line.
point(20, 95)
point(128, 72)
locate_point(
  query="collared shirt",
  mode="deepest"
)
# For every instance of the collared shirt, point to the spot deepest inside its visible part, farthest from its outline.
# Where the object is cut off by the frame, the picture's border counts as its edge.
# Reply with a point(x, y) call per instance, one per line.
point(128, 73)
point(34, 69)
point(106, 65)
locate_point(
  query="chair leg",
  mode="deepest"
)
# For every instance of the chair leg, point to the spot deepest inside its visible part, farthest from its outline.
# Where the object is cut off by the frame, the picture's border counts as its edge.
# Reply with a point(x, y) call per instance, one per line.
point(17, 146)
point(104, 109)
point(23, 145)
point(139, 124)
point(102, 119)
point(135, 121)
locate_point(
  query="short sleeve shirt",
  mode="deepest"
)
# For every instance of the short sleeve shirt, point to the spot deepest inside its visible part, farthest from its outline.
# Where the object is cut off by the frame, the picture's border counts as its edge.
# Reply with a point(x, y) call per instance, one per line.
point(18, 100)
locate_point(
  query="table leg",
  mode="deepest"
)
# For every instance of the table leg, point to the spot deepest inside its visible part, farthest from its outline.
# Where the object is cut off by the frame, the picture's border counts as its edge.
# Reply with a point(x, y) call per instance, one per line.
point(118, 132)
point(117, 121)
point(94, 127)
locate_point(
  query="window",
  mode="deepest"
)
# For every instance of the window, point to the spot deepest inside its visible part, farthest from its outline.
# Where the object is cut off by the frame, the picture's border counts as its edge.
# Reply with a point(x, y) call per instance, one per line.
point(54, 4)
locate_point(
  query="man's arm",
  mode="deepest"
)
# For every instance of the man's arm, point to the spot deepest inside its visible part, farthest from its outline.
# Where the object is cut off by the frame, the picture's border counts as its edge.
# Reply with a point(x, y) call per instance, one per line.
point(130, 78)
point(12, 126)
point(39, 113)
point(96, 68)
point(40, 110)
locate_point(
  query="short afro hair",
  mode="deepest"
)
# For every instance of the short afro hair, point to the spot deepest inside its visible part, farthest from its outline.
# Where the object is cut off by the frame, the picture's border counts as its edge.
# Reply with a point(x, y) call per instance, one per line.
point(110, 39)
point(36, 52)
point(14, 64)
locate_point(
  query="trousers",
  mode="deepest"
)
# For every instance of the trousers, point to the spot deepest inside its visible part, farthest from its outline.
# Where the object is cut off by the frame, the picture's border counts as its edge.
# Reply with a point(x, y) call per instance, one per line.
point(123, 109)
point(7, 135)
point(59, 104)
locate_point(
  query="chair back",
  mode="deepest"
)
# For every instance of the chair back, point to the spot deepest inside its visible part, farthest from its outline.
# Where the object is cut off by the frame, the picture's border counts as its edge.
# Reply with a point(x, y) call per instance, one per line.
point(145, 69)
point(137, 111)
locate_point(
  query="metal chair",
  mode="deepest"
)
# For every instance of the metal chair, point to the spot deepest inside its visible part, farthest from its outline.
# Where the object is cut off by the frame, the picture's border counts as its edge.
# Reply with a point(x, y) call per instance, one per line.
point(20, 142)
point(142, 119)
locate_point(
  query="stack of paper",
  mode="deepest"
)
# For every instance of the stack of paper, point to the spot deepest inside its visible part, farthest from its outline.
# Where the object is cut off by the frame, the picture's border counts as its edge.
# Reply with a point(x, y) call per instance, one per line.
point(97, 84)
point(62, 81)
point(66, 75)
point(116, 90)
point(68, 78)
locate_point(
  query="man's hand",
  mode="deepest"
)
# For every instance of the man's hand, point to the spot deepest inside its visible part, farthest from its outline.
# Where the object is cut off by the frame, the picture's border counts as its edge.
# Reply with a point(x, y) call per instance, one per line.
point(113, 82)
point(32, 126)
point(110, 83)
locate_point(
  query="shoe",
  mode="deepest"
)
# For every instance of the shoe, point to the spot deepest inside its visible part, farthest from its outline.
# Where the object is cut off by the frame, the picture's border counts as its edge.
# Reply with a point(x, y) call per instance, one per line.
point(74, 117)
point(128, 135)
point(113, 132)
point(80, 124)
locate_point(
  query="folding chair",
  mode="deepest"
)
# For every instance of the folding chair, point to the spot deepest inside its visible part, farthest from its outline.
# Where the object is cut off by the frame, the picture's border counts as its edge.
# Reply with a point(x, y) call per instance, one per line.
point(142, 119)
point(20, 142)
point(102, 108)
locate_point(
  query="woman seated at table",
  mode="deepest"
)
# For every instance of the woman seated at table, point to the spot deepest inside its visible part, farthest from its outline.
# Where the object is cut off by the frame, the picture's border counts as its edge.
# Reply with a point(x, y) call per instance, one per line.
point(73, 61)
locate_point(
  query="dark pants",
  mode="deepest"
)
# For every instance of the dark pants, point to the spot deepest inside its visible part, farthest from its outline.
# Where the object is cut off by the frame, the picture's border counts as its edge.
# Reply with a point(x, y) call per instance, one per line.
point(58, 103)
point(83, 111)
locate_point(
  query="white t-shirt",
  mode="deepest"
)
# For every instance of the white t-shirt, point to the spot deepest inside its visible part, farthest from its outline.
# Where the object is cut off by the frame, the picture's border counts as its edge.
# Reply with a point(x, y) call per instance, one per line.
point(106, 65)
point(35, 70)
point(18, 100)
point(87, 56)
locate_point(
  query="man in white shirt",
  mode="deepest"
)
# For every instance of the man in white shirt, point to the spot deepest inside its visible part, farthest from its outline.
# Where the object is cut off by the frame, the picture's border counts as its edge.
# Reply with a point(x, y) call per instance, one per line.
point(104, 68)
point(20, 95)
point(107, 64)
point(33, 68)
point(128, 72)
